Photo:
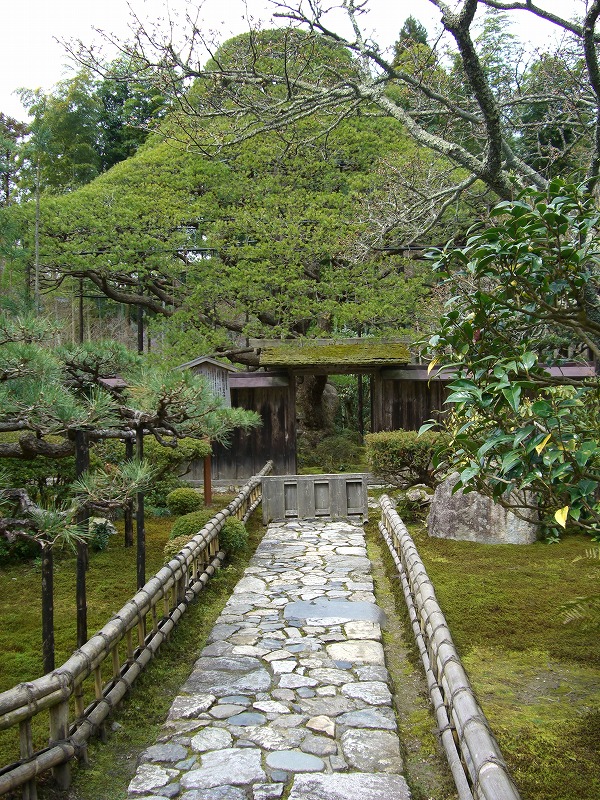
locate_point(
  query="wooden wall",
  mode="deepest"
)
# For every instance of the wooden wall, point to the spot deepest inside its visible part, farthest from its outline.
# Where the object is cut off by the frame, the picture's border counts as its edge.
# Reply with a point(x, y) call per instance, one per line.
point(405, 404)
point(275, 440)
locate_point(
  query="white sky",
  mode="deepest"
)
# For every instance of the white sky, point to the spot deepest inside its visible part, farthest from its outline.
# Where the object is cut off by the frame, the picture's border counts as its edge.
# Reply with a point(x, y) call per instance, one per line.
point(31, 58)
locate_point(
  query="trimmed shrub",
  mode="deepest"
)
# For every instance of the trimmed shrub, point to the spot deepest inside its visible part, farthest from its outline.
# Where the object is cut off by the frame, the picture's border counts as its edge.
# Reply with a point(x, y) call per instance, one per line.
point(183, 501)
point(173, 546)
point(189, 524)
point(402, 457)
point(233, 535)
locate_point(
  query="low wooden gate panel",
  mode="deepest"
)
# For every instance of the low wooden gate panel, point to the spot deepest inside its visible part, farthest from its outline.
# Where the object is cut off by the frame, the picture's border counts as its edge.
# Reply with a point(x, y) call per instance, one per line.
point(314, 496)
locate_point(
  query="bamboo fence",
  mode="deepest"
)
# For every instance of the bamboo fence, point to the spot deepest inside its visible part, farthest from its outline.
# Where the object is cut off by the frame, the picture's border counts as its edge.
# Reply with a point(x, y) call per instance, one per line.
point(121, 650)
point(474, 757)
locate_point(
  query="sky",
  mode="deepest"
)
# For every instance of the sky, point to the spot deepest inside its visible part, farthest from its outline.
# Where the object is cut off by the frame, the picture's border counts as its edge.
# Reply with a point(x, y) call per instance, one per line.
point(32, 57)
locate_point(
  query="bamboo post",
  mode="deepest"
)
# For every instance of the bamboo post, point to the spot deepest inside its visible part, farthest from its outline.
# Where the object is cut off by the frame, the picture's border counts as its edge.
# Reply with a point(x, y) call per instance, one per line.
point(59, 731)
point(26, 748)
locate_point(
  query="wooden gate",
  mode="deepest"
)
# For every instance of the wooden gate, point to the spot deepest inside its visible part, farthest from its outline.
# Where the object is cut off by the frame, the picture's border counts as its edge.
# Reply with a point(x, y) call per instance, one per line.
point(314, 496)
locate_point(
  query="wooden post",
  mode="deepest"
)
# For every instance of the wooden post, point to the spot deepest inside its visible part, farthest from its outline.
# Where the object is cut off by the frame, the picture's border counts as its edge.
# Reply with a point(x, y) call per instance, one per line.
point(82, 463)
point(361, 405)
point(48, 607)
point(129, 506)
point(26, 746)
point(59, 730)
point(207, 481)
point(139, 517)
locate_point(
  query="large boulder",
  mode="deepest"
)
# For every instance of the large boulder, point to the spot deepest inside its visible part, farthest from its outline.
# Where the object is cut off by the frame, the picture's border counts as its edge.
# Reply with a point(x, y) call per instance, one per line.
point(474, 518)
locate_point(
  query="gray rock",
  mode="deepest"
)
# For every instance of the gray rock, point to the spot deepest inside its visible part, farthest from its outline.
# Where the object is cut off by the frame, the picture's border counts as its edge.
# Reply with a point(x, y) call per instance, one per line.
point(220, 683)
point(335, 677)
point(247, 718)
point(217, 793)
point(368, 718)
point(372, 672)
point(357, 652)
point(222, 711)
point(353, 785)
point(267, 791)
point(294, 761)
point(150, 777)
point(233, 765)
point(318, 745)
point(211, 739)
point(231, 664)
point(184, 707)
point(375, 751)
point(475, 518)
point(293, 681)
point(332, 612)
point(328, 706)
point(164, 752)
point(375, 693)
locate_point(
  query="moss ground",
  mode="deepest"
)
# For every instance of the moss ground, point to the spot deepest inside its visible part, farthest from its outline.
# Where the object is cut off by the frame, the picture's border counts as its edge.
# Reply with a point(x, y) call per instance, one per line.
point(537, 679)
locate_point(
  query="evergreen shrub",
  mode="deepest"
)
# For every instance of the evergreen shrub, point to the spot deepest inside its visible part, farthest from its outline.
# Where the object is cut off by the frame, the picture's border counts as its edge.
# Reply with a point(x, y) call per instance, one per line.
point(402, 457)
point(233, 535)
point(183, 501)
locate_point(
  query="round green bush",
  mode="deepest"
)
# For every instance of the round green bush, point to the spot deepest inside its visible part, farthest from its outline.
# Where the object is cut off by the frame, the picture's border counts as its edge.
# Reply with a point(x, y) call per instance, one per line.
point(183, 501)
point(189, 524)
point(173, 546)
point(233, 535)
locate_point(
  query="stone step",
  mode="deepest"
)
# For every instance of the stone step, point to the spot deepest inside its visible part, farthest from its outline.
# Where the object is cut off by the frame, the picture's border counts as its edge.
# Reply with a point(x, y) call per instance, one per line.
point(291, 694)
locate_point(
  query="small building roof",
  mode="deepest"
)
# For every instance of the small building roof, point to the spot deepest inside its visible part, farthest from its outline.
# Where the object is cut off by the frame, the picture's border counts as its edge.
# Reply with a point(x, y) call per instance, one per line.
point(329, 355)
point(197, 362)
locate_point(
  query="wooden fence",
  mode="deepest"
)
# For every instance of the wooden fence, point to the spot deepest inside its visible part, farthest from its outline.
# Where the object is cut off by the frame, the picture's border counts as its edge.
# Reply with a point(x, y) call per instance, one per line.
point(111, 660)
point(474, 757)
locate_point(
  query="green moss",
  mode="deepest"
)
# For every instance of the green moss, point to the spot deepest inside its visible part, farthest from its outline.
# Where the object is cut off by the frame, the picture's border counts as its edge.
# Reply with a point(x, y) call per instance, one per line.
point(535, 677)
point(362, 352)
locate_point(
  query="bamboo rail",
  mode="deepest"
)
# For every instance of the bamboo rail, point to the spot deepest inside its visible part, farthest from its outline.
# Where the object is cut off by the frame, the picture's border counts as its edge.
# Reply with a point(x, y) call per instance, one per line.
point(475, 760)
point(125, 646)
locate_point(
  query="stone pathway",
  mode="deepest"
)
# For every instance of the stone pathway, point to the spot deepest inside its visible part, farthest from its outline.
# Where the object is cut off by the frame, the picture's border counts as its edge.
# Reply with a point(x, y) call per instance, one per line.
point(291, 695)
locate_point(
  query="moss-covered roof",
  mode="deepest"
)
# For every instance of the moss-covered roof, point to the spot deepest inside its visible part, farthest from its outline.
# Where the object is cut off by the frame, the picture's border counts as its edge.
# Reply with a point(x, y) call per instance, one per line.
point(343, 353)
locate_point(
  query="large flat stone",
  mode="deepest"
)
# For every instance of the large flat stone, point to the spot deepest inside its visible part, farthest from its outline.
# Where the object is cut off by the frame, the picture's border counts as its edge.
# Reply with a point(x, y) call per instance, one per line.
point(375, 693)
point(357, 652)
point(375, 751)
point(295, 761)
point(235, 766)
point(349, 787)
point(332, 612)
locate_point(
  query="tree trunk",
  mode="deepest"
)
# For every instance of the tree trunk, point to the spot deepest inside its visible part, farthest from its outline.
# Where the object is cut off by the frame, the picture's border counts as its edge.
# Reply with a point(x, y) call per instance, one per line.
point(139, 519)
point(48, 607)
point(129, 506)
point(82, 464)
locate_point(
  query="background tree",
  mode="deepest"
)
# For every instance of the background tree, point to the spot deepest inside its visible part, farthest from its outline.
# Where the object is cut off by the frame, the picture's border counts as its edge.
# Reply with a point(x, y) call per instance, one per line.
point(474, 129)
point(12, 133)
